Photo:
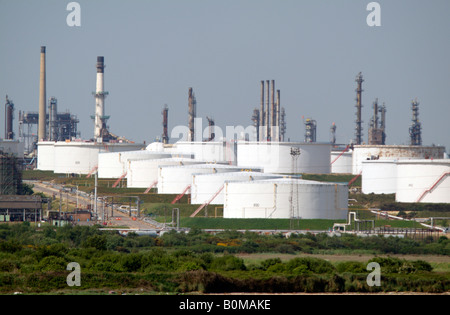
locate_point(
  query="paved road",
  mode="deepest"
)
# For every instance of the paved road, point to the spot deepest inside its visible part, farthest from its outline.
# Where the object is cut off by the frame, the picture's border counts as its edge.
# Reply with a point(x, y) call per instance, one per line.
point(119, 218)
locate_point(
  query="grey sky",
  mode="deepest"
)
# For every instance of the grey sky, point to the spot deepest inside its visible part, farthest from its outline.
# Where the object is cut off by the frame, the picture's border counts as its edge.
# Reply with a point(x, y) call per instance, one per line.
point(155, 50)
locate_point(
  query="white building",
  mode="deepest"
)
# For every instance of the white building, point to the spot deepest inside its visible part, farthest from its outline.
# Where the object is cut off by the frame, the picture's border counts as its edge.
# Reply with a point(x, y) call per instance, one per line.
point(271, 198)
point(275, 157)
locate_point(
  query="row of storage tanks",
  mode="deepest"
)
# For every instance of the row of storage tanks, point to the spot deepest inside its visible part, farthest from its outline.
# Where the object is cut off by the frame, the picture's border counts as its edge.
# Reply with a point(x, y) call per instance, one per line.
point(251, 179)
point(412, 173)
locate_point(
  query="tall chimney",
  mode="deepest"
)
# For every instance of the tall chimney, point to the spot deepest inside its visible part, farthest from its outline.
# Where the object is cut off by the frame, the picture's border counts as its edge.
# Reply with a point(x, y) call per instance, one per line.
point(42, 98)
point(273, 114)
point(267, 111)
point(262, 115)
point(100, 94)
point(9, 113)
point(165, 135)
point(359, 79)
point(192, 114)
point(278, 117)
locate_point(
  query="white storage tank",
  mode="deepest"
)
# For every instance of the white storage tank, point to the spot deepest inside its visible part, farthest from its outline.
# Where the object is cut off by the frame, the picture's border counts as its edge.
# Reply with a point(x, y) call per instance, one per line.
point(379, 177)
point(175, 179)
point(423, 181)
point(272, 199)
point(144, 173)
point(82, 157)
point(46, 156)
point(275, 157)
point(393, 152)
point(205, 186)
point(114, 164)
point(211, 151)
point(341, 162)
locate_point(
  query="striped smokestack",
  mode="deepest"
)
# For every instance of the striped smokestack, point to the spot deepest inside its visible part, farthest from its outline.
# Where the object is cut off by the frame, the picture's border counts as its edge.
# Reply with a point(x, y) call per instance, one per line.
point(100, 94)
point(42, 98)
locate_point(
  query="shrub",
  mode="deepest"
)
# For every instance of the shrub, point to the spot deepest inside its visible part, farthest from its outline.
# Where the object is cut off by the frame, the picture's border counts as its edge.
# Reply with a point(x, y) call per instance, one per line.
point(351, 266)
point(266, 264)
point(309, 265)
point(96, 241)
point(52, 263)
point(227, 262)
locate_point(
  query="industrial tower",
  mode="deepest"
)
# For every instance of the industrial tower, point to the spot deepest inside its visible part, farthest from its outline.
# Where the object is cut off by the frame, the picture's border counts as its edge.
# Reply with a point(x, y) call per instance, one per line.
point(100, 95)
point(377, 135)
point(165, 135)
point(359, 79)
point(415, 131)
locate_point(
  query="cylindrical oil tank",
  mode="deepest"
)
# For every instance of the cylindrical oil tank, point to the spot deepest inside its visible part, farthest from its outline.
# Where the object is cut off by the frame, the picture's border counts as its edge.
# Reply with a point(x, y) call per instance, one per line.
point(423, 181)
point(275, 157)
point(82, 157)
point(175, 179)
point(46, 155)
point(393, 152)
point(114, 164)
point(205, 186)
point(341, 162)
point(211, 151)
point(379, 177)
point(285, 199)
point(143, 173)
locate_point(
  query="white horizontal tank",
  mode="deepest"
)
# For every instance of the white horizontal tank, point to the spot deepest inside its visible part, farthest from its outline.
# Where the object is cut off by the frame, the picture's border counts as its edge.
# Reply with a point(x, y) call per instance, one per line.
point(272, 199)
point(275, 157)
point(423, 181)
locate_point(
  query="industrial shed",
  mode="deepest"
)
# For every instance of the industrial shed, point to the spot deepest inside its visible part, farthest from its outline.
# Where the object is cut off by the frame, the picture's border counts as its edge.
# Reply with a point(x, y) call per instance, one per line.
point(20, 208)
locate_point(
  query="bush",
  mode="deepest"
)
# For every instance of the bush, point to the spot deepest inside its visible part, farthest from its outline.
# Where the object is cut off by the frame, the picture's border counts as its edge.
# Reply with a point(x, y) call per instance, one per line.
point(96, 241)
point(52, 263)
point(306, 265)
point(227, 262)
point(351, 266)
point(396, 265)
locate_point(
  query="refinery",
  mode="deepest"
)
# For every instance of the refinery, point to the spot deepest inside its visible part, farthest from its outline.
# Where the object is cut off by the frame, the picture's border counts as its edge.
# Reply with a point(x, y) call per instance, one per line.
point(254, 173)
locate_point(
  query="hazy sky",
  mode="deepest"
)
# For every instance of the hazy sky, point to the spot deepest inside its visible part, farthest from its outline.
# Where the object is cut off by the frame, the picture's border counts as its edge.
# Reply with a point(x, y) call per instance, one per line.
point(155, 50)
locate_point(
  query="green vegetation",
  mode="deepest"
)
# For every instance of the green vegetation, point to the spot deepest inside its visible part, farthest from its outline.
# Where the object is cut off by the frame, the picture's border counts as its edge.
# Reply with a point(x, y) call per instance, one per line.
point(35, 260)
